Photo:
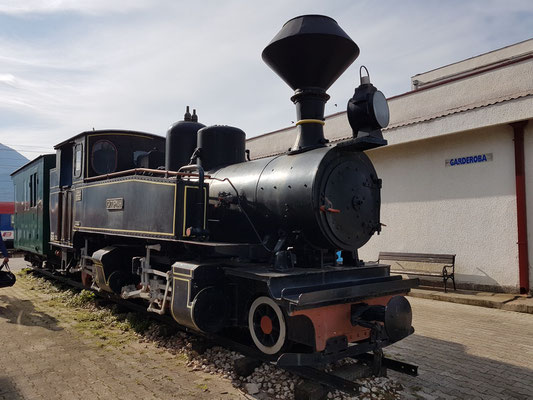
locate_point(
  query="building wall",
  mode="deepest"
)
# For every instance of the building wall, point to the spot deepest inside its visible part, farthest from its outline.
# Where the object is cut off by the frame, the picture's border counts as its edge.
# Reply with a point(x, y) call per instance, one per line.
point(468, 210)
point(479, 61)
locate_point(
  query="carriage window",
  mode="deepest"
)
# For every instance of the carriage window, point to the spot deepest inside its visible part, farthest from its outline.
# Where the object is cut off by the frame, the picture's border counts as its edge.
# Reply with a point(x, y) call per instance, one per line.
point(77, 161)
point(33, 190)
point(104, 157)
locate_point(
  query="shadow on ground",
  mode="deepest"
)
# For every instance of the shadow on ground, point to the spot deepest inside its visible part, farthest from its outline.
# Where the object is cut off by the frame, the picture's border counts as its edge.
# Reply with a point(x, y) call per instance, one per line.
point(446, 368)
point(8, 391)
point(23, 312)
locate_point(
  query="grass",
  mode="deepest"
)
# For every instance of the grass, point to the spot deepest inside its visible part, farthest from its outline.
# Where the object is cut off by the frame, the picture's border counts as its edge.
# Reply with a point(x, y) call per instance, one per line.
point(82, 298)
point(112, 326)
point(24, 271)
point(202, 387)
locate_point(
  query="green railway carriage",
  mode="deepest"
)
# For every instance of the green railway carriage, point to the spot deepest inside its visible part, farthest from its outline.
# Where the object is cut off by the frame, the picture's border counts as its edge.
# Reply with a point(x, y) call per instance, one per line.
point(31, 218)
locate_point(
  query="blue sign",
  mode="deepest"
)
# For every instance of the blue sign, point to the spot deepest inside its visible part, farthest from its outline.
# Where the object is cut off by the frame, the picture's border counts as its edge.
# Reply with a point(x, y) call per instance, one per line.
point(469, 159)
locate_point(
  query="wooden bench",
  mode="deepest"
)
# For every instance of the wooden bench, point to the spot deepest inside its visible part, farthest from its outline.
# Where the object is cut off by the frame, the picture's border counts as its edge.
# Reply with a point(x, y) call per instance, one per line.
point(447, 260)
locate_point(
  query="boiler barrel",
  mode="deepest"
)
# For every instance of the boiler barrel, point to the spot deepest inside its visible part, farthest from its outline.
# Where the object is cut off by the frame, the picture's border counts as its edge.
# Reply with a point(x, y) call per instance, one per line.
point(331, 196)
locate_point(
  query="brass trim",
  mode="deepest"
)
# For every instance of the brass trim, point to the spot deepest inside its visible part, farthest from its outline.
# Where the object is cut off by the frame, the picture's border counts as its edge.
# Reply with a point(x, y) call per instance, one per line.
point(185, 207)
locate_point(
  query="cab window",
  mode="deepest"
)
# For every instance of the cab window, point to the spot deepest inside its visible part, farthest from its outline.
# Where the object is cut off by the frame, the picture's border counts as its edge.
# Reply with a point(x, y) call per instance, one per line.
point(104, 157)
point(77, 160)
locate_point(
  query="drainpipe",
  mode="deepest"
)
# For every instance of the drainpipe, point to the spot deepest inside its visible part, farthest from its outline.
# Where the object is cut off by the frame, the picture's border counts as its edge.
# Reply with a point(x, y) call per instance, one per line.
point(520, 173)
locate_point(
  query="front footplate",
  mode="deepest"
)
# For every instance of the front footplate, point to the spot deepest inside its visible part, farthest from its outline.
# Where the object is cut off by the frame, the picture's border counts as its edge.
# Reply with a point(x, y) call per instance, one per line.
point(316, 296)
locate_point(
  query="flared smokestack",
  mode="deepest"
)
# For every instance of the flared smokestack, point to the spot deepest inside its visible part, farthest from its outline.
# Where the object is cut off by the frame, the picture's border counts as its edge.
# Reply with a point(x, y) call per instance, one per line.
point(309, 53)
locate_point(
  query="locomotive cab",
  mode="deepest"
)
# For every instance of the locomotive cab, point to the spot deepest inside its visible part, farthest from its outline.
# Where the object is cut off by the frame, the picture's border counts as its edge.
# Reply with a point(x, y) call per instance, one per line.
point(85, 157)
point(103, 152)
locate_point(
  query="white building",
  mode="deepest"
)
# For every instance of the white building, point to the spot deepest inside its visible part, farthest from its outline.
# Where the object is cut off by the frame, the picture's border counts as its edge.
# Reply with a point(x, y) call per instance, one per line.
point(451, 180)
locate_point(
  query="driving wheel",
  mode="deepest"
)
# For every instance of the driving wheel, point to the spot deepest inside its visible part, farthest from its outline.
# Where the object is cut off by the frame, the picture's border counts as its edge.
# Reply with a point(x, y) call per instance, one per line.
point(267, 325)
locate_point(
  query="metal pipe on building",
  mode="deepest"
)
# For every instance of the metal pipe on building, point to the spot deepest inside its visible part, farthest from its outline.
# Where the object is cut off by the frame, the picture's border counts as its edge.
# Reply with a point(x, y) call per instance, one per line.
point(520, 174)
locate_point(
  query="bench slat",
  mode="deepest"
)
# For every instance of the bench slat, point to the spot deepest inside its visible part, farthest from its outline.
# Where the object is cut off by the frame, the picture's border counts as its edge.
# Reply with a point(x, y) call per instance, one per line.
point(418, 257)
point(447, 259)
point(423, 273)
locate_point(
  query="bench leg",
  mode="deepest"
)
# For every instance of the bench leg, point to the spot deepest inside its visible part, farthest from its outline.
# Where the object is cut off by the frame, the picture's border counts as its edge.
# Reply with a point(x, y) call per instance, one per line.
point(453, 280)
point(445, 279)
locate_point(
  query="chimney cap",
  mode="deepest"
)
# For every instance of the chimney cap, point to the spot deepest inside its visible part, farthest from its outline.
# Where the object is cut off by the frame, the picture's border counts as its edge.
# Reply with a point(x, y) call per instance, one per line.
point(310, 51)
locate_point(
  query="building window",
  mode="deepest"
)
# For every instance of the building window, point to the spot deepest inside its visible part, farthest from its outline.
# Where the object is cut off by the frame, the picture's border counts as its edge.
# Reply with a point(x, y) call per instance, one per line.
point(77, 160)
point(104, 157)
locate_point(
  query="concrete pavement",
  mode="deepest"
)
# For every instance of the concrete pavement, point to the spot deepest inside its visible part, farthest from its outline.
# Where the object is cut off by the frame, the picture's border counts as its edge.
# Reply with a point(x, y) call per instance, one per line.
point(467, 352)
point(502, 301)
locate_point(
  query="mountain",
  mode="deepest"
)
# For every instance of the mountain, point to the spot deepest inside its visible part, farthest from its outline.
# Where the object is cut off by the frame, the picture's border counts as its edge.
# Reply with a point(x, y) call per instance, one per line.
point(10, 160)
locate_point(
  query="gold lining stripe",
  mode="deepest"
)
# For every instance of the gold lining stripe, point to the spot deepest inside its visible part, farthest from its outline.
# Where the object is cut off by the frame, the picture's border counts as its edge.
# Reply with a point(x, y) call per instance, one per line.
point(185, 207)
point(86, 155)
point(172, 304)
point(121, 134)
point(136, 231)
point(174, 205)
point(127, 181)
point(123, 230)
point(188, 297)
point(100, 265)
point(188, 291)
point(310, 121)
point(182, 274)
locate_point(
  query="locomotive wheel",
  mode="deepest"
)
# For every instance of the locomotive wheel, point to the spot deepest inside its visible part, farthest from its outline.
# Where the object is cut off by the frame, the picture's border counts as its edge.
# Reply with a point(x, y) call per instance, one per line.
point(267, 325)
point(210, 310)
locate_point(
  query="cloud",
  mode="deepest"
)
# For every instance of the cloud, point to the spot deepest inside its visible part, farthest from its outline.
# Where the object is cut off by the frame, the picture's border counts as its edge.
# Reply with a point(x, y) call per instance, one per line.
point(17, 7)
point(68, 66)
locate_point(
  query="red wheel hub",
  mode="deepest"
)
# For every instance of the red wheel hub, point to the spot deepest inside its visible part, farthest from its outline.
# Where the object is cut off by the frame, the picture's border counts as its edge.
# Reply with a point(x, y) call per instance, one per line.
point(266, 325)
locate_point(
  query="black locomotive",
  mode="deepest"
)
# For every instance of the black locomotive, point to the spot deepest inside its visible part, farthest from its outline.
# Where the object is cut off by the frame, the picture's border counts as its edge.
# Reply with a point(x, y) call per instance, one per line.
point(223, 243)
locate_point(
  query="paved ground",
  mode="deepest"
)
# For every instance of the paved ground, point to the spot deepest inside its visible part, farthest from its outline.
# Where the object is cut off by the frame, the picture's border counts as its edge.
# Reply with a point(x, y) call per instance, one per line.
point(41, 357)
point(468, 352)
point(503, 301)
point(463, 351)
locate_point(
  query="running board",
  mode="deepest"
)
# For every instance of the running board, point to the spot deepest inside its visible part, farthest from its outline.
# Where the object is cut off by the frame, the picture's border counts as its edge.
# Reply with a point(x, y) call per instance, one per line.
point(354, 292)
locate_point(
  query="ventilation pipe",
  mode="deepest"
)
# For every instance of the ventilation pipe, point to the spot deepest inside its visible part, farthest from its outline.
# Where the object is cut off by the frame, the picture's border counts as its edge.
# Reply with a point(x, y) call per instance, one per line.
point(520, 174)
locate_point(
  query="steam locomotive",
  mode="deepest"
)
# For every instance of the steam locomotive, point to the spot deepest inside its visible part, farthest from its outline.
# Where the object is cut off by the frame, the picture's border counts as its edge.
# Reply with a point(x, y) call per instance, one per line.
point(221, 242)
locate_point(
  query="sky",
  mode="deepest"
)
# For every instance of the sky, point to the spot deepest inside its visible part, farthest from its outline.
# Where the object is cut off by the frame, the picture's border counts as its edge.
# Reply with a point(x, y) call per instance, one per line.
point(72, 65)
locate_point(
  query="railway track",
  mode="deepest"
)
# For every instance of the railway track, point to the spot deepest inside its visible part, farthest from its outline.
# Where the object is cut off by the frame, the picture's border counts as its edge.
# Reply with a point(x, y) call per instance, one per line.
point(13, 253)
point(329, 380)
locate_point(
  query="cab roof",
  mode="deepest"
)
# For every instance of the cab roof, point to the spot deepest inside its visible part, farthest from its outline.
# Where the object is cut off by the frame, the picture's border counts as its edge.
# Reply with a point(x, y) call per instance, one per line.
point(108, 131)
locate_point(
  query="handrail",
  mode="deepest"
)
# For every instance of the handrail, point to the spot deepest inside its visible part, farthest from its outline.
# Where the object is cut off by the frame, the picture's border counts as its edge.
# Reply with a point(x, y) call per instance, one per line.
point(200, 221)
point(134, 171)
